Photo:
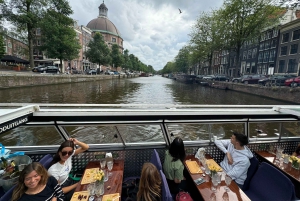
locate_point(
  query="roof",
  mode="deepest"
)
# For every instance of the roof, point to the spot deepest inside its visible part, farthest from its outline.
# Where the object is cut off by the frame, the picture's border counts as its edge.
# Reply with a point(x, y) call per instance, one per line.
point(103, 25)
point(10, 58)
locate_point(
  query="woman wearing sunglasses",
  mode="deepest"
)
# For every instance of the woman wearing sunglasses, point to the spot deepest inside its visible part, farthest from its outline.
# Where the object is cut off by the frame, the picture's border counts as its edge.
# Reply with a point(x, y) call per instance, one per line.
point(62, 165)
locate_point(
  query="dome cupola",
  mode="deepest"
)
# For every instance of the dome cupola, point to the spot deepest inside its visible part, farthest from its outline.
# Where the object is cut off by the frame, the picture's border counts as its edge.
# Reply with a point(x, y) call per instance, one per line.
point(102, 10)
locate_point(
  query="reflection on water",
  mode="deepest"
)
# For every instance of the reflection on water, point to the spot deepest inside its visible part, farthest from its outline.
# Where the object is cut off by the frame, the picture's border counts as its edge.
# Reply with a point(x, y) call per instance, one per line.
point(142, 90)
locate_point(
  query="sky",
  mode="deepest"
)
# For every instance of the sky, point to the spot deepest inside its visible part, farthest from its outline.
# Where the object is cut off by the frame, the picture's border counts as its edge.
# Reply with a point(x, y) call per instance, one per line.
point(152, 30)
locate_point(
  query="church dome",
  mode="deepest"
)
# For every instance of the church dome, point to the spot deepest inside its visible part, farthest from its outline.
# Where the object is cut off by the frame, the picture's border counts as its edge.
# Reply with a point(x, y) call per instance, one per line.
point(104, 25)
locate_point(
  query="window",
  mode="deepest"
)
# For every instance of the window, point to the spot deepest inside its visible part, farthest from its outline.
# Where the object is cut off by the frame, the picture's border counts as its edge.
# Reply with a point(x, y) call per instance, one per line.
point(281, 66)
point(296, 34)
point(253, 68)
point(273, 43)
point(38, 42)
point(259, 68)
point(254, 51)
point(272, 55)
point(292, 66)
point(283, 51)
point(113, 40)
point(249, 54)
point(260, 57)
point(245, 55)
point(275, 33)
point(264, 69)
point(294, 49)
point(269, 34)
point(266, 56)
point(285, 38)
point(267, 45)
point(38, 31)
point(261, 46)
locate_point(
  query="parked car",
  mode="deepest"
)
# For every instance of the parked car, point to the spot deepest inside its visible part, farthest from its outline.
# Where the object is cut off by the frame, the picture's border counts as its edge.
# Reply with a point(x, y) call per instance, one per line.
point(252, 79)
point(92, 72)
point(39, 69)
point(221, 78)
point(52, 69)
point(292, 82)
point(208, 77)
point(239, 79)
point(277, 80)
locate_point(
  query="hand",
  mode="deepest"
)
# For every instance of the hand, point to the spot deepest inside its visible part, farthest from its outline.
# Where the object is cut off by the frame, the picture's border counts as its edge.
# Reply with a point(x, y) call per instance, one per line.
point(74, 140)
point(54, 199)
point(230, 160)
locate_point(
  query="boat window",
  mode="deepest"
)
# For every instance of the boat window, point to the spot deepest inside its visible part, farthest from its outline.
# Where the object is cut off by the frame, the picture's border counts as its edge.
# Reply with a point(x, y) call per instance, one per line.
point(264, 130)
point(197, 132)
point(112, 134)
point(290, 129)
point(31, 136)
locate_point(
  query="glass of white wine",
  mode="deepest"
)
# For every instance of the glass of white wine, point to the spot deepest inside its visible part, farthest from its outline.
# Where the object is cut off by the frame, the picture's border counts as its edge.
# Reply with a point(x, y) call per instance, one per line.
point(109, 165)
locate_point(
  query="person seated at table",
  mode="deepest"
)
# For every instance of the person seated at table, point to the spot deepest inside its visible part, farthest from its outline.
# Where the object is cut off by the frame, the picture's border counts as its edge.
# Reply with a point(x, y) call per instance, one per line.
point(173, 166)
point(62, 165)
point(35, 184)
point(150, 184)
point(236, 161)
point(297, 151)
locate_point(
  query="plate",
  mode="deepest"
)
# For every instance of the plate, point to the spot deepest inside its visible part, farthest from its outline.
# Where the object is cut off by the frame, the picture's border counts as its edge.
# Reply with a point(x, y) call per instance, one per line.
point(85, 195)
point(211, 162)
point(193, 167)
point(110, 197)
point(88, 176)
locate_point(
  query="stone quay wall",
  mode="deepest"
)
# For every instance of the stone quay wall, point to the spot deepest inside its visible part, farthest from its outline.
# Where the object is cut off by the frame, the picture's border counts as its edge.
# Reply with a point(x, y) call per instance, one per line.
point(276, 92)
point(27, 80)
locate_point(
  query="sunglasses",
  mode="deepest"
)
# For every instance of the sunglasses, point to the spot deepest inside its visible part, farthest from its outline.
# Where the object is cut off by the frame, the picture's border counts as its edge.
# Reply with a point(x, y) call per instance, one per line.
point(63, 153)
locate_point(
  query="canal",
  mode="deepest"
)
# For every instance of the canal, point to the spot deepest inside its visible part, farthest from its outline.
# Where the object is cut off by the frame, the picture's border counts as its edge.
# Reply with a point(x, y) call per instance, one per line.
point(142, 90)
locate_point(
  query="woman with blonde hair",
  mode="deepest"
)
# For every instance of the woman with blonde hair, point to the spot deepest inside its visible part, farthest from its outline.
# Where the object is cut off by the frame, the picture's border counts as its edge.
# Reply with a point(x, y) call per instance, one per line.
point(150, 184)
point(34, 184)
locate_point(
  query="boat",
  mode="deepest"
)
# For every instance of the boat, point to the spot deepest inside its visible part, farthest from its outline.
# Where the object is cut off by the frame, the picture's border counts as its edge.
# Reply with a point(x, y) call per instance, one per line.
point(144, 75)
point(188, 79)
point(132, 131)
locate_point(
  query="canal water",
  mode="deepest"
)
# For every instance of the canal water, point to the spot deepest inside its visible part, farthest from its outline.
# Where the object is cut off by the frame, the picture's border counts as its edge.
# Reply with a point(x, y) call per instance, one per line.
point(142, 90)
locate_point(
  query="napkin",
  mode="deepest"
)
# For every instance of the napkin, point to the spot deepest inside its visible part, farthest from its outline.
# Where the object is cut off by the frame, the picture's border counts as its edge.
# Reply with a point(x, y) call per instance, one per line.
point(198, 153)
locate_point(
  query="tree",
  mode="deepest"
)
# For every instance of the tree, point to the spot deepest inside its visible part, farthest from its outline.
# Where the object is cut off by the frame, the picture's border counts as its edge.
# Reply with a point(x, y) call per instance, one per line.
point(2, 49)
point(25, 15)
point(127, 63)
point(243, 20)
point(98, 52)
point(58, 37)
point(182, 60)
point(116, 56)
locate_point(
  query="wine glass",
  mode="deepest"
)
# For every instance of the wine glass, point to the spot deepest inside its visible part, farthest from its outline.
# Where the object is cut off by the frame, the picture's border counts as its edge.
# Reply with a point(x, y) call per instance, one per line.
point(110, 165)
point(228, 182)
point(102, 163)
point(91, 189)
point(214, 181)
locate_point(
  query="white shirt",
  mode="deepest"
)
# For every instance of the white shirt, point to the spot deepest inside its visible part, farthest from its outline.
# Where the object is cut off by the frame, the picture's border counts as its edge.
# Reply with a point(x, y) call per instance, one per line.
point(61, 171)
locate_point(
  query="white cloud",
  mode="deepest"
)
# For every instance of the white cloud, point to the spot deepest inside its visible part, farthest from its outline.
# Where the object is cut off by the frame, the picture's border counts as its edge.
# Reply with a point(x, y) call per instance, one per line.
point(154, 31)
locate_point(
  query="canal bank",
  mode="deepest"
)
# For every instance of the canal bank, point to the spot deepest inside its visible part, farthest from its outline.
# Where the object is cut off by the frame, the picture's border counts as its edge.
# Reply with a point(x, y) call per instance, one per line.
point(12, 79)
point(275, 92)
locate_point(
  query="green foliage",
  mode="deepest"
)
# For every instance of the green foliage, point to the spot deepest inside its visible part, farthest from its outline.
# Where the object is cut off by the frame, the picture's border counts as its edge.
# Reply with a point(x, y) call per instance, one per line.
point(2, 49)
point(127, 63)
point(59, 39)
point(98, 51)
point(116, 56)
point(25, 15)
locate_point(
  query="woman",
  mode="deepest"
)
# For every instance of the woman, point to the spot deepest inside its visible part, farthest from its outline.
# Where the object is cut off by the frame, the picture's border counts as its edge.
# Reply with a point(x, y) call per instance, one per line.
point(150, 183)
point(62, 165)
point(35, 185)
point(297, 151)
point(173, 166)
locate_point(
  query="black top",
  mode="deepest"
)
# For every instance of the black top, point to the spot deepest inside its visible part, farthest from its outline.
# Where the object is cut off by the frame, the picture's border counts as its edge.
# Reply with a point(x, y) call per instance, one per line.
point(51, 190)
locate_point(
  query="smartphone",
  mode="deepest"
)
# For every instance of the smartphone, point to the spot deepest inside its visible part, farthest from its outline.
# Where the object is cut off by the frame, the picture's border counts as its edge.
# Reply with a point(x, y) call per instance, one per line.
point(199, 181)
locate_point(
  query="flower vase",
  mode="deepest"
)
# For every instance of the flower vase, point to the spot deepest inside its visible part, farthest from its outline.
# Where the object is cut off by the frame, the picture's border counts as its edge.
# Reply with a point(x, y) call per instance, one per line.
point(99, 186)
point(296, 165)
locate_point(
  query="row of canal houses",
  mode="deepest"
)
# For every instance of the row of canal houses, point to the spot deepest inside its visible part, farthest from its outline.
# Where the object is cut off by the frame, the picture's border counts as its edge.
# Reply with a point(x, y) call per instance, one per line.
point(276, 51)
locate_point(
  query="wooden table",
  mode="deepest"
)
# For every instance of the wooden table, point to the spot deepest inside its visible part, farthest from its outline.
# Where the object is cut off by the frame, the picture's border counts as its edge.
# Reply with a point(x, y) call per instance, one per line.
point(287, 169)
point(114, 181)
point(235, 192)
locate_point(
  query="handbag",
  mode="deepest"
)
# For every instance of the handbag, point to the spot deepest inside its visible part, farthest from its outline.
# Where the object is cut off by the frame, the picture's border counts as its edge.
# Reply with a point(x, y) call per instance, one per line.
point(183, 196)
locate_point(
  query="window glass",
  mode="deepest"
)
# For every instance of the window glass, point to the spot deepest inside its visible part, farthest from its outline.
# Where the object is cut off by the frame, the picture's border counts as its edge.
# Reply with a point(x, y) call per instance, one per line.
point(294, 49)
point(281, 66)
point(31, 136)
point(109, 134)
point(285, 38)
point(283, 50)
point(258, 131)
point(290, 129)
point(296, 34)
point(292, 66)
point(198, 132)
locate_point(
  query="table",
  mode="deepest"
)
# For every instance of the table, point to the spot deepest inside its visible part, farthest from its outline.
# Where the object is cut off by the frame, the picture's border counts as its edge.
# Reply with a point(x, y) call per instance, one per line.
point(235, 192)
point(287, 169)
point(114, 181)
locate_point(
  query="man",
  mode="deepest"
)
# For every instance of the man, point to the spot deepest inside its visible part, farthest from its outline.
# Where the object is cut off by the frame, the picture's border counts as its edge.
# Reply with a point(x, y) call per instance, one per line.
point(237, 154)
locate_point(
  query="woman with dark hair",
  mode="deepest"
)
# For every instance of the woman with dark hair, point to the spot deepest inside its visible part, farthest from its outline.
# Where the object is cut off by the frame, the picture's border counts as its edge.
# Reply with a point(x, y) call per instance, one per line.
point(35, 184)
point(62, 165)
point(150, 184)
point(297, 151)
point(173, 165)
